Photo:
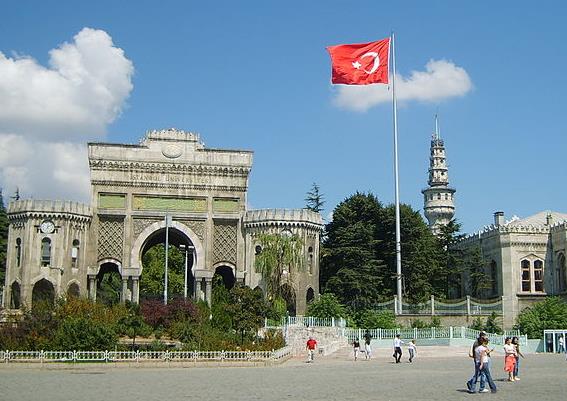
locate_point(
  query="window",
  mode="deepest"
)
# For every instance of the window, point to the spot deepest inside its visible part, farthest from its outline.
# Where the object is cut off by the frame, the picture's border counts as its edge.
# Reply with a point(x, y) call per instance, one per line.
point(45, 252)
point(257, 250)
point(310, 259)
point(561, 274)
point(532, 276)
point(75, 254)
point(18, 252)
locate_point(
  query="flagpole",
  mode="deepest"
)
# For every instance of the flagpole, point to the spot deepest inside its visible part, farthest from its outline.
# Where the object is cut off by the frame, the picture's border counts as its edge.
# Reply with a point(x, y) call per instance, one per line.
point(397, 184)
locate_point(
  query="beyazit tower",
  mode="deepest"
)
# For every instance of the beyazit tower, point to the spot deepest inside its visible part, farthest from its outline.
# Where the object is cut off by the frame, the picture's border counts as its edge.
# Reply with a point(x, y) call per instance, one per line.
point(438, 205)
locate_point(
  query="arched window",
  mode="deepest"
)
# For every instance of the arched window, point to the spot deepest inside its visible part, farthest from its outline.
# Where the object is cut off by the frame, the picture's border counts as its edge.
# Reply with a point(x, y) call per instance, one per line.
point(561, 274)
point(75, 254)
point(18, 252)
point(310, 259)
point(45, 252)
point(258, 250)
point(532, 275)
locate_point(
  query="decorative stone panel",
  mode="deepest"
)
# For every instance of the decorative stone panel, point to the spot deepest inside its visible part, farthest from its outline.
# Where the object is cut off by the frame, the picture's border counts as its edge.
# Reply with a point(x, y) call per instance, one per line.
point(111, 201)
point(221, 205)
point(198, 227)
point(164, 203)
point(139, 225)
point(110, 238)
point(224, 241)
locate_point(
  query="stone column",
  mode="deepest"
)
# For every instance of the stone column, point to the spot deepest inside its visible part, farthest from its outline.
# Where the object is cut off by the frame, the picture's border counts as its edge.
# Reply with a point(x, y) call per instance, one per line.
point(197, 291)
point(124, 288)
point(208, 290)
point(92, 288)
point(135, 290)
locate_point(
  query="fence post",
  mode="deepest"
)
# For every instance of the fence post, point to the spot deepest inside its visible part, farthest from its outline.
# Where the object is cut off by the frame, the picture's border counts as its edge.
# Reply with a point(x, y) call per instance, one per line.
point(74, 356)
point(451, 332)
point(359, 334)
point(105, 356)
point(333, 321)
point(433, 334)
point(432, 305)
point(6, 356)
point(415, 332)
point(41, 356)
point(462, 331)
point(468, 305)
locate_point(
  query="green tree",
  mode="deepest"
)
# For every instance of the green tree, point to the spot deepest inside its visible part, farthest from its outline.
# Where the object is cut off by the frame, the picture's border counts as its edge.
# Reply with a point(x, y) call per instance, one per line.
point(351, 267)
point(370, 319)
point(420, 253)
point(247, 309)
point(132, 324)
point(84, 334)
point(327, 306)
point(109, 288)
point(315, 200)
point(3, 239)
point(548, 314)
point(153, 262)
point(279, 261)
point(221, 299)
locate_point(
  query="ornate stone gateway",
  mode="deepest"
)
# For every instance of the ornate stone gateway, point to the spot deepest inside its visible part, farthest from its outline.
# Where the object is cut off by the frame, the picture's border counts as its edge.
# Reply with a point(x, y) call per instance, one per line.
point(62, 248)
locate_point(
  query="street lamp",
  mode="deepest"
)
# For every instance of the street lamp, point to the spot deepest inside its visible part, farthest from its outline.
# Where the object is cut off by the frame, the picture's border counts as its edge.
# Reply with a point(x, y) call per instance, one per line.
point(185, 248)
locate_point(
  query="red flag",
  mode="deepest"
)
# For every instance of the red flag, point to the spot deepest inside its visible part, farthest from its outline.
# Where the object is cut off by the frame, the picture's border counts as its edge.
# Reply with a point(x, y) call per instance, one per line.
point(360, 64)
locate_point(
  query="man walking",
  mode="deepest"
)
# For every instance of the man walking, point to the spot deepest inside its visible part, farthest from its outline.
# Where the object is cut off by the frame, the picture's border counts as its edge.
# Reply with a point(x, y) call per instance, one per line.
point(398, 348)
point(367, 347)
point(311, 347)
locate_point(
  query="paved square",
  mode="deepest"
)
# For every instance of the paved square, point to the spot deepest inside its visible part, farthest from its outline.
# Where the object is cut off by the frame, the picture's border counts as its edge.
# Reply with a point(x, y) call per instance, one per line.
point(437, 374)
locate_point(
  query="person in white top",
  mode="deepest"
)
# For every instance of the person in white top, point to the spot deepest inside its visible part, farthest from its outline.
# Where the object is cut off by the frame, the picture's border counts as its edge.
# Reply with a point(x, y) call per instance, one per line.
point(482, 355)
point(412, 350)
point(397, 348)
point(509, 358)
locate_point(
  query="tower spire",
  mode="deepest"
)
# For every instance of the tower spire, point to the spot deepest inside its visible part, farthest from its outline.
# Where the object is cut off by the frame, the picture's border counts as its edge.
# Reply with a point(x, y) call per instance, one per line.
point(439, 207)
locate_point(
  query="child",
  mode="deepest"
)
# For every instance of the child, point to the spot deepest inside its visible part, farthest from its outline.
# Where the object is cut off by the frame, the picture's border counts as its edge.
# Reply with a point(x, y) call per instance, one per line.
point(509, 358)
point(412, 350)
point(356, 346)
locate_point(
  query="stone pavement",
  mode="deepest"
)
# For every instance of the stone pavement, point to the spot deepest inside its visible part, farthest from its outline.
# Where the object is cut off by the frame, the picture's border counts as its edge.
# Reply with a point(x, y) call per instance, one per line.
point(438, 373)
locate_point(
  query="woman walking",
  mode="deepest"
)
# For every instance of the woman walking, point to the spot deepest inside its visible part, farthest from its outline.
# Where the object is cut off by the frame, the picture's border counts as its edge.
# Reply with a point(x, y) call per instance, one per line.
point(509, 358)
point(484, 357)
point(516, 342)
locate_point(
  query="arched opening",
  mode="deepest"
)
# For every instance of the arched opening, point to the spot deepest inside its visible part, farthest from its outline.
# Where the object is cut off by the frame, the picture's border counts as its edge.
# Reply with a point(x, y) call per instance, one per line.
point(73, 291)
point(227, 275)
point(15, 295)
point(46, 252)
point(310, 259)
point(108, 284)
point(18, 252)
point(180, 265)
point(75, 254)
point(43, 292)
point(288, 295)
point(310, 296)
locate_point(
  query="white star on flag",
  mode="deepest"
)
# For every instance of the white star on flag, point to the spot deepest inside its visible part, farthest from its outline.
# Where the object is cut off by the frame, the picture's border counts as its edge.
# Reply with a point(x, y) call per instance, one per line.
point(356, 65)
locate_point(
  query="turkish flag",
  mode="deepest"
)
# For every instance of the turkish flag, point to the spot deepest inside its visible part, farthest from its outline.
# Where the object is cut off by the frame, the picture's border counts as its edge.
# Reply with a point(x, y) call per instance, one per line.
point(360, 64)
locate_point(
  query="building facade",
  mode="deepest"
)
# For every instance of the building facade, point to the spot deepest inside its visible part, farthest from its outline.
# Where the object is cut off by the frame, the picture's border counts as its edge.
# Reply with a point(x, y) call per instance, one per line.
point(170, 185)
point(524, 259)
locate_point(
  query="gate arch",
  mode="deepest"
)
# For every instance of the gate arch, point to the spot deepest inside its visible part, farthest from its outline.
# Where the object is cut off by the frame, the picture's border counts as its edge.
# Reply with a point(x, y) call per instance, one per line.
point(138, 245)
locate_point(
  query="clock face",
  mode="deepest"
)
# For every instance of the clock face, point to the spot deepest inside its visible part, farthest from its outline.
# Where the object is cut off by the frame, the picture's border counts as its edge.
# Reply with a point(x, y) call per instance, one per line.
point(47, 227)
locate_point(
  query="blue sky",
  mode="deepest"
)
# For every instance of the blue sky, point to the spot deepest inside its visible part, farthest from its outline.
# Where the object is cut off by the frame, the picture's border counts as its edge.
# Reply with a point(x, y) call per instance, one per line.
point(255, 75)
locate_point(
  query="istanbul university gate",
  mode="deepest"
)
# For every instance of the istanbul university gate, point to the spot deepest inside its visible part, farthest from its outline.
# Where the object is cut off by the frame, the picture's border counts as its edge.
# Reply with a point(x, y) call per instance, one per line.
point(63, 248)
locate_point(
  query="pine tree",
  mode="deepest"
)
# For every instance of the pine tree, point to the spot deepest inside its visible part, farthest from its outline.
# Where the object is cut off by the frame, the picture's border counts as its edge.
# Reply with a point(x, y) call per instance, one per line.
point(315, 199)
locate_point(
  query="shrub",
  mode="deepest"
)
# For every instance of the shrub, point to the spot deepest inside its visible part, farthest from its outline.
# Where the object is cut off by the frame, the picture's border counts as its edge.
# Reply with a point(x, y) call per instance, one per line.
point(548, 314)
point(369, 319)
point(327, 306)
point(84, 334)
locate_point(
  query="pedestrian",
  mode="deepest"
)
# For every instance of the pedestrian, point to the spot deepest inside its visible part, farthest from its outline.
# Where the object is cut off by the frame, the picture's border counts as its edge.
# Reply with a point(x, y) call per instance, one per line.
point(356, 348)
point(412, 350)
point(311, 347)
point(509, 358)
point(471, 384)
point(367, 347)
point(561, 347)
point(484, 367)
point(397, 348)
point(516, 342)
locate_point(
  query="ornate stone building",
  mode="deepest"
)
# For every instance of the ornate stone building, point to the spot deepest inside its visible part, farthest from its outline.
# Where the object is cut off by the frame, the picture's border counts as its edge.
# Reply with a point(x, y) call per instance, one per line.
point(438, 197)
point(64, 247)
point(525, 259)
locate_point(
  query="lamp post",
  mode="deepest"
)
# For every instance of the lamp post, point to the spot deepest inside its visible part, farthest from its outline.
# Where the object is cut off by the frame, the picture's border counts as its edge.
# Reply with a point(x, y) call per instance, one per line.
point(185, 249)
point(167, 224)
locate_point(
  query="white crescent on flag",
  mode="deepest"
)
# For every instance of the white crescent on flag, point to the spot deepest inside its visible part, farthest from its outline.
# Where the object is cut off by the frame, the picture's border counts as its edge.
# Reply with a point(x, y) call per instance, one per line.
point(376, 61)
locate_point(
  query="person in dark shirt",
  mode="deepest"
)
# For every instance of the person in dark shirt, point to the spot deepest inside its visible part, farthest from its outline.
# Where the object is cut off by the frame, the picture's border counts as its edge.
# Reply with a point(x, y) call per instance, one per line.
point(367, 347)
point(356, 348)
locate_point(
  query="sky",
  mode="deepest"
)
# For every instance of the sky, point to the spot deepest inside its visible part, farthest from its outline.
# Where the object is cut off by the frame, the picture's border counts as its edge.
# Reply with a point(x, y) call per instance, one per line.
point(255, 75)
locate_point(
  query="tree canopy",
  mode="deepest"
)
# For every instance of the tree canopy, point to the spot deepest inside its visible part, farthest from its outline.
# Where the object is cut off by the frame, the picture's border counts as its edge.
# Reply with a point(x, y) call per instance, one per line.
point(315, 200)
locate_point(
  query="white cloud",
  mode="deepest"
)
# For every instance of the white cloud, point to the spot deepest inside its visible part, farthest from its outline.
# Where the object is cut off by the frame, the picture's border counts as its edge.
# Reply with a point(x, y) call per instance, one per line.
point(47, 114)
point(441, 80)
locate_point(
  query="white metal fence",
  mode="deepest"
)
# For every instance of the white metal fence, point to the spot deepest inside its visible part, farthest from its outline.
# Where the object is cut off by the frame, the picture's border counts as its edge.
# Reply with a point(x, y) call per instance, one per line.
point(144, 356)
point(466, 307)
point(432, 333)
